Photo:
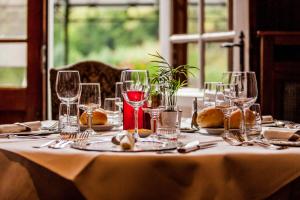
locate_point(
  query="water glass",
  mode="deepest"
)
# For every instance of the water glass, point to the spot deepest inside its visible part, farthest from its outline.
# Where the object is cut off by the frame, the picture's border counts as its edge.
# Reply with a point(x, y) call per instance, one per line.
point(209, 93)
point(73, 125)
point(253, 119)
point(168, 126)
point(112, 111)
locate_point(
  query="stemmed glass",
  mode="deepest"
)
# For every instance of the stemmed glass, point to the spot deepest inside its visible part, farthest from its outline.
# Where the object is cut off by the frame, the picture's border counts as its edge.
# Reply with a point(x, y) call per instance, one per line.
point(247, 92)
point(155, 105)
point(89, 100)
point(67, 88)
point(225, 94)
point(135, 90)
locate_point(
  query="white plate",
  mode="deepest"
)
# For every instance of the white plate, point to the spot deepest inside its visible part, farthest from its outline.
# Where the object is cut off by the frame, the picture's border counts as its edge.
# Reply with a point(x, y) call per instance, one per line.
point(212, 131)
point(142, 146)
point(105, 127)
point(284, 143)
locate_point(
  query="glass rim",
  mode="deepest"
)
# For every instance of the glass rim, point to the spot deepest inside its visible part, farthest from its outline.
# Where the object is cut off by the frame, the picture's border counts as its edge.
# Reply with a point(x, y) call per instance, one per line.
point(68, 71)
point(111, 98)
point(239, 72)
point(135, 70)
point(89, 84)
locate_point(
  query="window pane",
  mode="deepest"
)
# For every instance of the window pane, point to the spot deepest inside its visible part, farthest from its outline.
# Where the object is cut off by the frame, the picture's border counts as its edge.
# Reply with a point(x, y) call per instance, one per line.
point(216, 15)
point(193, 60)
point(13, 65)
point(216, 61)
point(193, 12)
point(13, 18)
point(118, 35)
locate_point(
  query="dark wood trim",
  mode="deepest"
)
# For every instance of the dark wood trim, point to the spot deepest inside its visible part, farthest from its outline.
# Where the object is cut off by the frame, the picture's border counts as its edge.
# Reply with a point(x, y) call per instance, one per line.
point(34, 72)
point(13, 40)
point(179, 26)
point(278, 33)
point(230, 14)
point(9, 95)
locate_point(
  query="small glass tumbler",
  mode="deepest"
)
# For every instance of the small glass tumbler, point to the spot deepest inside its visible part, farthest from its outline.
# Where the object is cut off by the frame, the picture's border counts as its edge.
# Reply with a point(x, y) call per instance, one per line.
point(72, 113)
point(209, 93)
point(253, 119)
point(112, 111)
point(168, 126)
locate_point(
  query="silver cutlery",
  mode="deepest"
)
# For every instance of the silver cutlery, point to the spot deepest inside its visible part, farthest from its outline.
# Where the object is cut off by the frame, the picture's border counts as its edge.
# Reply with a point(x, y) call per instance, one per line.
point(45, 144)
point(261, 143)
point(195, 145)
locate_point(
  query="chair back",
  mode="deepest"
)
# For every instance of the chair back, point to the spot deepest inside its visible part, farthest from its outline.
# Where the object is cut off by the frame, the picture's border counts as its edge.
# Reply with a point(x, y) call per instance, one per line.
point(90, 72)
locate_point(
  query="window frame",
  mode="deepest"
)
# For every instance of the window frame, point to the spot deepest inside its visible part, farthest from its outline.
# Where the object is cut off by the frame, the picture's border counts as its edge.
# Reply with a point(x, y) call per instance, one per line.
point(176, 37)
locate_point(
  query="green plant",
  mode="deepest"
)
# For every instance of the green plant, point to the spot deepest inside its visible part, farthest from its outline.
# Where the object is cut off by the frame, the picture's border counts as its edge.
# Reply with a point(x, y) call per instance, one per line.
point(166, 75)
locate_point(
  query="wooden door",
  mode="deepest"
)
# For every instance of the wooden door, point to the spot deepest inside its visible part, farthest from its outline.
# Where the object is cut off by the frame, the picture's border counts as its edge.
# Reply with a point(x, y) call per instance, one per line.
point(21, 65)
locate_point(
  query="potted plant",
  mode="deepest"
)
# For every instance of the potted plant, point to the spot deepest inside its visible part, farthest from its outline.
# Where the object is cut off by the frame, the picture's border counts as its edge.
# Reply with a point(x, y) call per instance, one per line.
point(166, 77)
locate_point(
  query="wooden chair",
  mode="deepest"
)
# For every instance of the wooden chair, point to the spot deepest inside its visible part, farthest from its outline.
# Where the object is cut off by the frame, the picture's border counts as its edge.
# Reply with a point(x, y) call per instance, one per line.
point(90, 72)
point(280, 74)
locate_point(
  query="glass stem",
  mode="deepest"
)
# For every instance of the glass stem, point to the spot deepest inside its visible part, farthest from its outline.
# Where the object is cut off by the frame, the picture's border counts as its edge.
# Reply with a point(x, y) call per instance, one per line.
point(136, 121)
point(243, 128)
point(226, 124)
point(68, 114)
point(90, 119)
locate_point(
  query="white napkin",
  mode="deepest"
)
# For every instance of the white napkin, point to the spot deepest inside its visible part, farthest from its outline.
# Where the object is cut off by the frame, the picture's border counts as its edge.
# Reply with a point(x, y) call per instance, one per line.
point(15, 128)
point(278, 133)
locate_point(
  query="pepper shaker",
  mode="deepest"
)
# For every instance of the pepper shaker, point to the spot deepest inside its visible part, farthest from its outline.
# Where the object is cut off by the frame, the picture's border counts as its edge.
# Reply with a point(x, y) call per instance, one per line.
point(194, 123)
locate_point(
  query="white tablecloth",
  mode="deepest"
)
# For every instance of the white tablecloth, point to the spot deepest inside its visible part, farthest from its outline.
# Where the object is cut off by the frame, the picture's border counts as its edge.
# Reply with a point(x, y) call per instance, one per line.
point(221, 172)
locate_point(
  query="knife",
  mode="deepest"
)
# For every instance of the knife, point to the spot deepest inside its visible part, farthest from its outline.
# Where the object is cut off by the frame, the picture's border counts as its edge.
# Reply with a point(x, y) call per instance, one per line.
point(195, 145)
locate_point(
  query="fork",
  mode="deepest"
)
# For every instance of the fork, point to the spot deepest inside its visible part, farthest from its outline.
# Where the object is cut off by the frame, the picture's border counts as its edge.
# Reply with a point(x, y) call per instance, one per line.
point(82, 139)
point(260, 143)
point(64, 141)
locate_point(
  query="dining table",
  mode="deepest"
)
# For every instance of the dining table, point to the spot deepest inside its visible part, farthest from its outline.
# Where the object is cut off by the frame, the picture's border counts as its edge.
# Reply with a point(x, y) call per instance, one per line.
point(220, 172)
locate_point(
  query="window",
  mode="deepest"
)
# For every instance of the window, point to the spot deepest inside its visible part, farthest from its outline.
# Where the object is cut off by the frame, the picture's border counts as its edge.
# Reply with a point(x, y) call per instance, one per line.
point(22, 65)
point(197, 35)
point(13, 35)
point(120, 33)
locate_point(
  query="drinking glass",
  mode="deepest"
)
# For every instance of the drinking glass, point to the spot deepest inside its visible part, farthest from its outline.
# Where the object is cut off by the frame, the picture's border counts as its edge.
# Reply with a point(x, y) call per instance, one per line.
point(118, 95)
point(112, 110)
point(73, 125)
point(89, 100)
point(67, 88)
point(253, 119)
point(155, 105)
point(225, 93)
point(135, 90)
point(209, 93)
point(247, 92)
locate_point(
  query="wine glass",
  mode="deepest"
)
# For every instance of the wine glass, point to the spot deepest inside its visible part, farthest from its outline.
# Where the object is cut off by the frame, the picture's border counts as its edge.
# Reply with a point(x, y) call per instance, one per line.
point(155, 105)
point(89, 100)
point(67, 88)
point(135, 90)
point(247, 92)
point(225, 94)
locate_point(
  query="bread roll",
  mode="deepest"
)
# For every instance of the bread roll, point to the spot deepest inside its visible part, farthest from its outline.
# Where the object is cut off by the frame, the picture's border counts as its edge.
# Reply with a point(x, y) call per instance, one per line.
point(210, 117)
point(99, 117)
point(236, 118)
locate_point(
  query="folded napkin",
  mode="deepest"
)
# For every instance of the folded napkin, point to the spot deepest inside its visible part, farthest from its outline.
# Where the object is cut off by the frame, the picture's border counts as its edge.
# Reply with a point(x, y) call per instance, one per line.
point(278, 133)
point(20, 127)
